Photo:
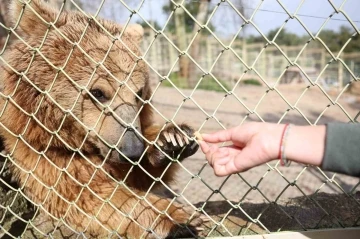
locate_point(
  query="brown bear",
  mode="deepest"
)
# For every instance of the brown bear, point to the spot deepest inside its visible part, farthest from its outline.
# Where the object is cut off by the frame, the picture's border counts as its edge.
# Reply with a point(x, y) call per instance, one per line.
point(77, 126)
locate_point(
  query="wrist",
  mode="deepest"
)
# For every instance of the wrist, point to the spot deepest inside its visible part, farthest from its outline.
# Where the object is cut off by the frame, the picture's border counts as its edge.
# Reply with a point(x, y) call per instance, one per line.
point(273, 144)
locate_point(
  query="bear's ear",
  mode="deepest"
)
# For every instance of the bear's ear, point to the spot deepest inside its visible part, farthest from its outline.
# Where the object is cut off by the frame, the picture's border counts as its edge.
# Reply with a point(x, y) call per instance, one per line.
point(136, 33)
point(34, 15)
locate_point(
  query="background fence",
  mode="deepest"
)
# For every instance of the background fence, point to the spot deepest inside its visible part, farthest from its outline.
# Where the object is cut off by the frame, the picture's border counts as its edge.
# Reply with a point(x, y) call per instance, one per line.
point(270, 64)
point(217, 64)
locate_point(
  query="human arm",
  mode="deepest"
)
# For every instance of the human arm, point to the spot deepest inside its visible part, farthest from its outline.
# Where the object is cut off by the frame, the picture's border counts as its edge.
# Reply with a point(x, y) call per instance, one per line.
point(256, 143)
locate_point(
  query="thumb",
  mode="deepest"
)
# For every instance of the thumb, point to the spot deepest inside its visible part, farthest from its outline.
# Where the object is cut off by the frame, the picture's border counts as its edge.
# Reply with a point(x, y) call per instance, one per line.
point(204, 146)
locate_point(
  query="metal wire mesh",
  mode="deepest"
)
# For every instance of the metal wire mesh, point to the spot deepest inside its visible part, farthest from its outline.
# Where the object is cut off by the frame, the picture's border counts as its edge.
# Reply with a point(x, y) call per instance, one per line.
point(227, 56)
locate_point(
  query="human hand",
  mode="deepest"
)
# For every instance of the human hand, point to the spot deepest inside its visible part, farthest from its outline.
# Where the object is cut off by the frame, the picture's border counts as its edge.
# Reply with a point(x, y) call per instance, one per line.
point(252, 144)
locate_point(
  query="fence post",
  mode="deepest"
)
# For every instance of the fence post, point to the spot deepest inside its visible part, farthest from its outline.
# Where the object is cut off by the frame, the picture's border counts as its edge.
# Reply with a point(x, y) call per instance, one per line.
point(153, 54)
point(181, 35)
point(265, 68)
point(208, 45)
point(244, 51)
point(172, 57)
point(340, 75)
point(352, 66)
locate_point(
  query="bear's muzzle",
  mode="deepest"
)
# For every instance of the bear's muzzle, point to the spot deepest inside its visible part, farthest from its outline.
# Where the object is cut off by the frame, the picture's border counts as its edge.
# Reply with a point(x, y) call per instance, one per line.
point(132, 146)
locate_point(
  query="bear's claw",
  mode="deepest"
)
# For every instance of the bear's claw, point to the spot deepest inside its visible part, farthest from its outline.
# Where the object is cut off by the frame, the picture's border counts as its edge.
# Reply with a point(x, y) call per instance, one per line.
point(175, 144)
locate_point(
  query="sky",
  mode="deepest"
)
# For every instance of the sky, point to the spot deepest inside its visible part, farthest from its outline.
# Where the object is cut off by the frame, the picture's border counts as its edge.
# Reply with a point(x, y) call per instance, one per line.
point(271, 15)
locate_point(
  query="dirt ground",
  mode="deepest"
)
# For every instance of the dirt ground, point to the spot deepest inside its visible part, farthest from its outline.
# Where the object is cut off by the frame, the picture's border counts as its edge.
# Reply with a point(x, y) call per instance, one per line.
point(306, 105)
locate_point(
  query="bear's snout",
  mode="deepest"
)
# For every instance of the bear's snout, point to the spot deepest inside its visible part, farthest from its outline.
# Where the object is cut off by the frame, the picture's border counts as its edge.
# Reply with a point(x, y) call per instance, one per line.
point(132, 146)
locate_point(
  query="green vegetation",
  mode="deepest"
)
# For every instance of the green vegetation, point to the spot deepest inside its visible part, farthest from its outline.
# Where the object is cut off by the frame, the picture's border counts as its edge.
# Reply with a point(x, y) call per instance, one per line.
point(208, 83)
point(177, 80)
point(335, 40)
point(193, 8)
point(251, 82)
point(155, 24)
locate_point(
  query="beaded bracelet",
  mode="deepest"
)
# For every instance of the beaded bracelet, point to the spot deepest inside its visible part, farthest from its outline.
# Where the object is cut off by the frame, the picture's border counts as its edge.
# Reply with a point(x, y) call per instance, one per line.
point(282, 156)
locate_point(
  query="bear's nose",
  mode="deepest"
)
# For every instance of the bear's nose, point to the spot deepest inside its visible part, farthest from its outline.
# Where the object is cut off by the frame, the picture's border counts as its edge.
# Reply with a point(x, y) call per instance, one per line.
point(132, 145)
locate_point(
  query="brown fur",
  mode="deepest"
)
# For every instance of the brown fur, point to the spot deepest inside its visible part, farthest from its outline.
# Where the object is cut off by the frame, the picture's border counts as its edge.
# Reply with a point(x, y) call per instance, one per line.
point(63, 167)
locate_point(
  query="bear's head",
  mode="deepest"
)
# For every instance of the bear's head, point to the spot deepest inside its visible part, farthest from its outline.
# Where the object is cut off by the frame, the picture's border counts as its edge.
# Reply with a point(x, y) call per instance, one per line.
point(73, 82)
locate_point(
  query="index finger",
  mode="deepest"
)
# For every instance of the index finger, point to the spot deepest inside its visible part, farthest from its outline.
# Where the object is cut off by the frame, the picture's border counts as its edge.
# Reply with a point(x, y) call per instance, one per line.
point(237, 134)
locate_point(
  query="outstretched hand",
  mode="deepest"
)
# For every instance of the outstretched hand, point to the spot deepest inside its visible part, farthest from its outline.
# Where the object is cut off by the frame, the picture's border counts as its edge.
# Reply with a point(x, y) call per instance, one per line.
point(251, 145)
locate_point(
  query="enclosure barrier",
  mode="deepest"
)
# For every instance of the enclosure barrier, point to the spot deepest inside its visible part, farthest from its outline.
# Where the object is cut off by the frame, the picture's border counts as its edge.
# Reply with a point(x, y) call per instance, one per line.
point(13, 194)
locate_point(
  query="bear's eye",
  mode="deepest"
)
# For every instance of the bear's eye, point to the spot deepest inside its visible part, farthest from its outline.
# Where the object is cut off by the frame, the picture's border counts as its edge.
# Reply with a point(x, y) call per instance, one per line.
point(98, 94)
point(140, 94)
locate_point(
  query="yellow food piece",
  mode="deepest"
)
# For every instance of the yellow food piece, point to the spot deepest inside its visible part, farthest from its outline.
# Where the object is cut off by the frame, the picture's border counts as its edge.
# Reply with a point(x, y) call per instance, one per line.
point(198, 136)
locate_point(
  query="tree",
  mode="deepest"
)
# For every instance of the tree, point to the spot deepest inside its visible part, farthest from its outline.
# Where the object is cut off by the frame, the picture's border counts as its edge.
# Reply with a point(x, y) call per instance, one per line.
point(285, 38)
point(201, 17)
point(154, 24)
point(194, 8)
point(336, 40)
point(183, 23)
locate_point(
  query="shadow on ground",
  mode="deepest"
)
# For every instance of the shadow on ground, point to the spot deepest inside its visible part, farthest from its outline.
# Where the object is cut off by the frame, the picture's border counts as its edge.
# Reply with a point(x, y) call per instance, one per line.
point(316, 211)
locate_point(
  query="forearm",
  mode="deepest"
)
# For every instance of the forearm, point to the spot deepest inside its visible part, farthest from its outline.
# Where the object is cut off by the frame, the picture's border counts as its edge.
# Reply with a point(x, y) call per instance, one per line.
point(306, 144)
point(335, 147)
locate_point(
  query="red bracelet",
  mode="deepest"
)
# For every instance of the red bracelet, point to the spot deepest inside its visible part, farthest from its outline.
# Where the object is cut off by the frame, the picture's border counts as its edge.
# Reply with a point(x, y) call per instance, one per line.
point(281, 140)
point(282, 156)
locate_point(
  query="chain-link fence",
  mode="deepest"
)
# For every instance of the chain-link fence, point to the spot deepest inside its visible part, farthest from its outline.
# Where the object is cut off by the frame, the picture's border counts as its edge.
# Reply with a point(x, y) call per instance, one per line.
point(97, 118)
